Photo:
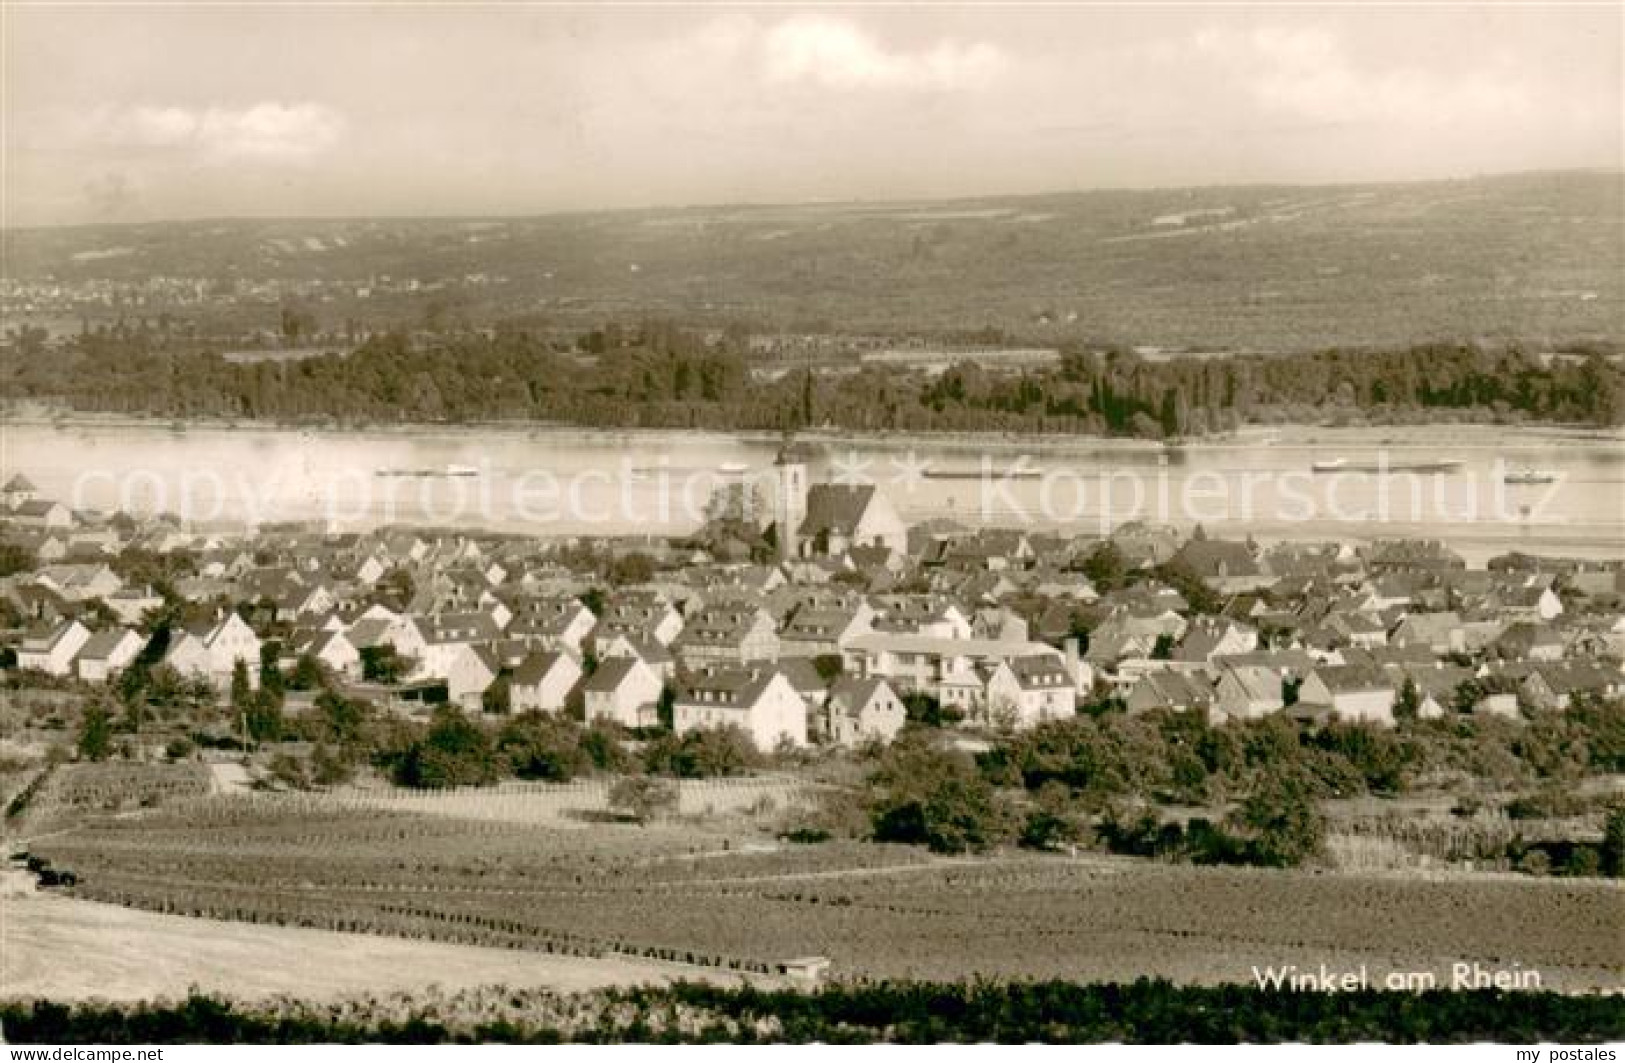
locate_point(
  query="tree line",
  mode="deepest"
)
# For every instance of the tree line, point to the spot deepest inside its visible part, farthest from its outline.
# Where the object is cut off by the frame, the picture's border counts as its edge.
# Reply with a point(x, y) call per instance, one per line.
point(663, 376)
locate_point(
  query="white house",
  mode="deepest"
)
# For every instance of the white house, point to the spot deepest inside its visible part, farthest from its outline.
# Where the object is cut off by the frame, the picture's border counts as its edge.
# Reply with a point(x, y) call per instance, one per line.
point(552, 624)
point(623, 690)
point(650, 651)
point(468, 671)
point(1026, 691)
point(79, 583)
point(1353, 693)
point(107, 653)
point(863, 710)
point(211, 649)
point(543, 681)
point(330, 648)
point(54, 651)
point(759, 700)
point(1246, 692)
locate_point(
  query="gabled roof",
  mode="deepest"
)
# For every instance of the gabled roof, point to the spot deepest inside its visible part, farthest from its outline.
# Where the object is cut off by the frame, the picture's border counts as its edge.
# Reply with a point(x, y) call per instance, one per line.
point(103, 643)
point(1352, 678)
point(836, 508)
point(849, 695)
point(538, 666)
point(18, 484)
point(736, 687)
point(370, 631)
point(611, 673)
point(1179, 689)
point(1040, 671)
point(1257, 682)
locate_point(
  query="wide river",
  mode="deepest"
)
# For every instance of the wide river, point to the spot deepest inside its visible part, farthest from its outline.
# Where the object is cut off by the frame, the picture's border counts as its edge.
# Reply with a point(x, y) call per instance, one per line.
point(569, 481)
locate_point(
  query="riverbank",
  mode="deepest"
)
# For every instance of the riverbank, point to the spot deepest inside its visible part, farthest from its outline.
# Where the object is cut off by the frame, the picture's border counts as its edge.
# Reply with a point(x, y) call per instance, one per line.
point(1468, 436)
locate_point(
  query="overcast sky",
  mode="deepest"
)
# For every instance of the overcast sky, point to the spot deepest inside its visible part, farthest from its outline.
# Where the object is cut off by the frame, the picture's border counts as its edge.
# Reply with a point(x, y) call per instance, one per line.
point(143, 112)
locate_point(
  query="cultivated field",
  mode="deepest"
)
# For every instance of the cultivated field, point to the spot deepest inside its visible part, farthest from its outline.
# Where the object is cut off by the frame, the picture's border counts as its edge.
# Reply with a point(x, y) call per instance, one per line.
point(66, 949)
point(680, 894)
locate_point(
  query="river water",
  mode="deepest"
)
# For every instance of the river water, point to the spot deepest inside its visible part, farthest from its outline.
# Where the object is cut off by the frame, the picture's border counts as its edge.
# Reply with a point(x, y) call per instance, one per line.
point(568, 481)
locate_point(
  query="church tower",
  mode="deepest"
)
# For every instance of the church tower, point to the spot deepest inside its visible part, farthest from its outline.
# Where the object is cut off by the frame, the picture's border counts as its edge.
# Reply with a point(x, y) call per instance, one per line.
point(791, 504)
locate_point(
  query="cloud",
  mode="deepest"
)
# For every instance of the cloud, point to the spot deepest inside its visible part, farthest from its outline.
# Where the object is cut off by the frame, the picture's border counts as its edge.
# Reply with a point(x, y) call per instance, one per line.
point(264, 132)
point(835, 53)
point(1308, 75)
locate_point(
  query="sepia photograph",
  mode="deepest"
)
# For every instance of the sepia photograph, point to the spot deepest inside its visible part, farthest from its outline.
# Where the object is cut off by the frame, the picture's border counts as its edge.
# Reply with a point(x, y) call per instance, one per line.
point(990, 523)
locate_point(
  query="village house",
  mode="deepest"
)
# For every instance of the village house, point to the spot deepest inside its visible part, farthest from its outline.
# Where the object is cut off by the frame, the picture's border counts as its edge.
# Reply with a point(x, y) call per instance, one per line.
point(1169, 689)
point(107, 653)
point(813, 632)
point(645, 614)
point(1029, 689)
point(988, 550)
point(1435, 684)
point(1555, 686)
point(1439, 633)
point(544, 681)
point(17, 490)
point(132, 604)
point(1246, 692)
point(729, 631)
point(1208, 637)
point(1529, 641)
point(622, 690)
point(922, 662)
point(552, 624)
point(862, 710)
point(79, 583)
point(53, 652)
point(376, 630)
point(211, 650)
point(1354, 628)
point(757, 699)
point(1352, 693)
point(467, 670)
point(1227, 566)
point(920, 614)
point(657, 657)
point(1534, 603)
point(328, 647)
point(40, 513)
point(998, 623)
point(456, 648)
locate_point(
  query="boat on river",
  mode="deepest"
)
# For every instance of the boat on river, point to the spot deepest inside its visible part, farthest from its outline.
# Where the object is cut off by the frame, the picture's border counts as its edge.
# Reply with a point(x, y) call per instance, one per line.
point(1441, 465)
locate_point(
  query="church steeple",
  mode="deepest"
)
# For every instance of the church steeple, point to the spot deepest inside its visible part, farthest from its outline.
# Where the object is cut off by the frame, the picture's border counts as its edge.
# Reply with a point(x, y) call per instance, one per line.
point(791, 503)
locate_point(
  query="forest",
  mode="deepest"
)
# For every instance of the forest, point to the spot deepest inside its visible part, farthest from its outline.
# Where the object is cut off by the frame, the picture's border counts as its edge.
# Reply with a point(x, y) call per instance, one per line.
point(660, 375)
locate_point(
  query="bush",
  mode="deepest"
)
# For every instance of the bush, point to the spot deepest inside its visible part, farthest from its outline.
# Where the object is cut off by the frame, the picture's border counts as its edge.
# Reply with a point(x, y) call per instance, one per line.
point(643, 797)
point(454, 752)
point(545, 746)
point(707, 752)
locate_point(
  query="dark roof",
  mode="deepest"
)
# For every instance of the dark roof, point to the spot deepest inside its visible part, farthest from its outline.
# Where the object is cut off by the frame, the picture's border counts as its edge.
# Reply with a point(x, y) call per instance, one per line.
point(836, 508)
point(611, 673)
point(533, 668)
point(19, 483)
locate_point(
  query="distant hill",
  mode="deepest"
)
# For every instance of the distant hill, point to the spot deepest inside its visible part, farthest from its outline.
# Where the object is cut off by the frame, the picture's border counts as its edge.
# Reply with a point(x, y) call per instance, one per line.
point(1537, 258)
